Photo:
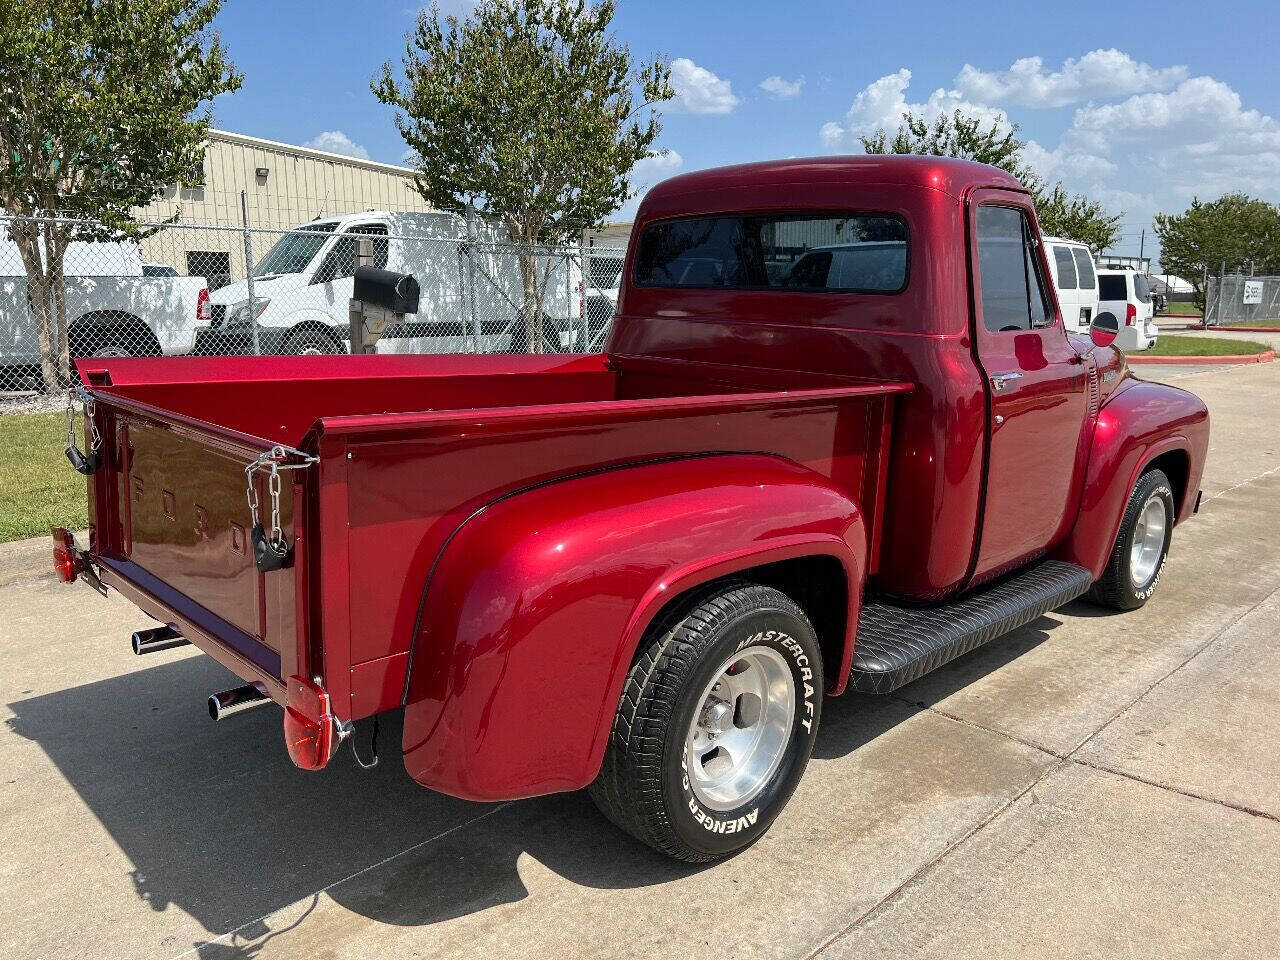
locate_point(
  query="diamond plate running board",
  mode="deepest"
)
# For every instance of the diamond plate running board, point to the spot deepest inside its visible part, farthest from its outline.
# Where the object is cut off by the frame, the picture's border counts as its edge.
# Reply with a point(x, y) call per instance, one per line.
point(899, 644)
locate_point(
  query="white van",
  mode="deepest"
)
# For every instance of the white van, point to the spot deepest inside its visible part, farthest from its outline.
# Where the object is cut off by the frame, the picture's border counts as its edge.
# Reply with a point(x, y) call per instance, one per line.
point(1074, 275)
point(471, 293)
point(114, 307)
point(1127, 294)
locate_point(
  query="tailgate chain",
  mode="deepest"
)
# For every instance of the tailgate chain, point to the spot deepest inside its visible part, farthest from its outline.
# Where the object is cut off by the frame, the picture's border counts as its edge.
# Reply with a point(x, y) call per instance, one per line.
point(271, 552)
point(83, 464)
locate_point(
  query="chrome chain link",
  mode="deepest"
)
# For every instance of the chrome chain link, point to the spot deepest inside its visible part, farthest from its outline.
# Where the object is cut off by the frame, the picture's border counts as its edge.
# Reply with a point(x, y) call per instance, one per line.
point(273, 461)
point(95, 439)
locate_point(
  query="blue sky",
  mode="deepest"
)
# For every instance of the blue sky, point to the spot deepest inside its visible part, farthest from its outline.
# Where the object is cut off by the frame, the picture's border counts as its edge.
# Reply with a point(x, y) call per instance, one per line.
point(1142, 107)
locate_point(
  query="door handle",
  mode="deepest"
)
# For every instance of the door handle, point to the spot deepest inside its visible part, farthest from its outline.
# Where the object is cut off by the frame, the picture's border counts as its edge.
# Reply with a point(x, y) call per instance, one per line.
point(1000, 380)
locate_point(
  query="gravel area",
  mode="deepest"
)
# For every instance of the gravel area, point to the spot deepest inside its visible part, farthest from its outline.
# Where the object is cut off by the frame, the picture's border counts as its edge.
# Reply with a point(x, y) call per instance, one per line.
point(32, 403)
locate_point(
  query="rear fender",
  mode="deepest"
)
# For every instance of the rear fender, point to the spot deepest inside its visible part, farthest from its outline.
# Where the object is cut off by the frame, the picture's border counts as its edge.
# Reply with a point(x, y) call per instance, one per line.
point(534, 613)
point(1135, 426)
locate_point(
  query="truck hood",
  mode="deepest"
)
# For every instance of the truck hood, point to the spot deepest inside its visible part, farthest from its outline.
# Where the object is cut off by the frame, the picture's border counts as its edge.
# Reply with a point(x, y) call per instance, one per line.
point(263, 288)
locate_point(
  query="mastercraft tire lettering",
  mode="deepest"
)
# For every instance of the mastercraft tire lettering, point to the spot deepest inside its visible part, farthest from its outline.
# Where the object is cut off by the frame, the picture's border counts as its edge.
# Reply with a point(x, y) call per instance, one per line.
point(716, 723)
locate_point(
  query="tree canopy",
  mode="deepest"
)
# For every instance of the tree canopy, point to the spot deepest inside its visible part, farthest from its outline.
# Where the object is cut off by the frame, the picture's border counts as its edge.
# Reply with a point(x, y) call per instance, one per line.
point(105, 103)
point(1235, 231)
point(958, 134)
point(528, 111)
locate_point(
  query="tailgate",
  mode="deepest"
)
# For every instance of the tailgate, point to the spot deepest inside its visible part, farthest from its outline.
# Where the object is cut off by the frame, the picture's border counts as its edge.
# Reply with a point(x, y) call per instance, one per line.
point(173, 521)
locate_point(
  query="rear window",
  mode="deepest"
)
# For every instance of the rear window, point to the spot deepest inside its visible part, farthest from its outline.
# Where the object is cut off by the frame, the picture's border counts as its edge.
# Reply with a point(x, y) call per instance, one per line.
point(1084, 265)
point(1141, 288)
point(862, 253)
point(1111, 286)
point(1066, 265)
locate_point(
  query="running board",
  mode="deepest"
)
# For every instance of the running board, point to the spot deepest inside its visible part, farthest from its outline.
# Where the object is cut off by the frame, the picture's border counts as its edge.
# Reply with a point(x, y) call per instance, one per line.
point(899, 644)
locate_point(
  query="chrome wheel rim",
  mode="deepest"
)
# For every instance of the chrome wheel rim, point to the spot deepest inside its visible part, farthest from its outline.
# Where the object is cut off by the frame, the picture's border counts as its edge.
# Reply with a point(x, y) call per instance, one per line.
point(741, 728)
point(1148, 541)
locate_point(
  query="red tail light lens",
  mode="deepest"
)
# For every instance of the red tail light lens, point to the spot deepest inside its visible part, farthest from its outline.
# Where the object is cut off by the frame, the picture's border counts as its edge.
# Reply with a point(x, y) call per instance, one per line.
point(203, 310)
point(66, 559)
point(1130, 315)
point(308, 724)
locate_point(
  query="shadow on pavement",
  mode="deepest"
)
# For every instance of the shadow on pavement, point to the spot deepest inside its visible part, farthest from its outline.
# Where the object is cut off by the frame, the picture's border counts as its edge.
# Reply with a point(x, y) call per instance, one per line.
point(219, 823)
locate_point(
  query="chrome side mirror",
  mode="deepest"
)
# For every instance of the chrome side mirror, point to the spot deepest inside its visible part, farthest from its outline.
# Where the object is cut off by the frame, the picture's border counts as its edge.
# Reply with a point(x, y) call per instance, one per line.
point(1103, 329)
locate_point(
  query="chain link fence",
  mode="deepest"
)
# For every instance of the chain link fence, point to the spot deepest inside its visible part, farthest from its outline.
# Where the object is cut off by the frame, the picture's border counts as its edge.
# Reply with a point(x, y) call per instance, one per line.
point(216, 289)
point(1238, 300)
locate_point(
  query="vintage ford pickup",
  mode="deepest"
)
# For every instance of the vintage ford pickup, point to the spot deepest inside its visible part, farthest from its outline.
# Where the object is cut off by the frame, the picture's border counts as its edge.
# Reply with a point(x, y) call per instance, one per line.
point(838, 437)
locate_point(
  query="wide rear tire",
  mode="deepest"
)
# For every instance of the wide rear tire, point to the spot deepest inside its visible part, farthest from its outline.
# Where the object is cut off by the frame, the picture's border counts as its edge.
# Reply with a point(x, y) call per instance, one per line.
point(716, 723)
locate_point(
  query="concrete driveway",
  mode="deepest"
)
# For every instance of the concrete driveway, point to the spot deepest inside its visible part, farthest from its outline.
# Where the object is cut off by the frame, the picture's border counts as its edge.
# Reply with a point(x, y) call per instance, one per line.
point(1092, 785)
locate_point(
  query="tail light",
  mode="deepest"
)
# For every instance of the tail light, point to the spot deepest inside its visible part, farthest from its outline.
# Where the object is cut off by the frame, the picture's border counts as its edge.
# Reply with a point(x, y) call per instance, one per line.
point(203, 310)
point(1130, 315)
point(308, 724)
point(66, 558)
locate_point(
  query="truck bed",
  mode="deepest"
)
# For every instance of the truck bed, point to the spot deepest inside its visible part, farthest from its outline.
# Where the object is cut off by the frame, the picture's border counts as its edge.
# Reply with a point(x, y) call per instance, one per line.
point(408, 447)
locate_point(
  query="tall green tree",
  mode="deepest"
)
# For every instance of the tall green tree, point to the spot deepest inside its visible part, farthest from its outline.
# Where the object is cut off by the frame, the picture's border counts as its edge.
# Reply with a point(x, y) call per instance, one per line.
point(1235, 231)
point(958, 134)
point(531, 112)
point(103, 103)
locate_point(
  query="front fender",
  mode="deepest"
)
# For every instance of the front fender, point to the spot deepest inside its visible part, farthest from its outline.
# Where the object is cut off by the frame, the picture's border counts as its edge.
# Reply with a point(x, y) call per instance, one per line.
point(536, 607)
point(1136, 425)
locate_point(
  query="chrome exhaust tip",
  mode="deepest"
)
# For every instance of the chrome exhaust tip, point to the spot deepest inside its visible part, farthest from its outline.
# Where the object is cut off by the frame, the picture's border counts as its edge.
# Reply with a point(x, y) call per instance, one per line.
point(158, 638)
point(236, 700)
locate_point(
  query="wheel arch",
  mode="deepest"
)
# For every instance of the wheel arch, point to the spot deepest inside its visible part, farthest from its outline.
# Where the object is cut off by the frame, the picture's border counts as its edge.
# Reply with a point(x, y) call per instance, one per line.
point(538, 606)
point(1145, 425)
point(87, 325)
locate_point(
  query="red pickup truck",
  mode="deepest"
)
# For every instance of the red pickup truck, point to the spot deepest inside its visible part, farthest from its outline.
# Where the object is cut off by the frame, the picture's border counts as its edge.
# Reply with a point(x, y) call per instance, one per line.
point(838, 437)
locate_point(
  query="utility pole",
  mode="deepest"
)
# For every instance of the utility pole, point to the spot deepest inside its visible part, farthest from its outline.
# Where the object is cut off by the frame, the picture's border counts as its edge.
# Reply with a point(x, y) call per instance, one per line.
point(1142, 244)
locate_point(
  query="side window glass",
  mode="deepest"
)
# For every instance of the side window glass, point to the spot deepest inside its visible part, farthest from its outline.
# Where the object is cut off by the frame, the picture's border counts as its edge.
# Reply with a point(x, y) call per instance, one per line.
point(341, 260)
point(1002, 270)
point(1038, 290)
point(1066, 266)
point(1084, 264)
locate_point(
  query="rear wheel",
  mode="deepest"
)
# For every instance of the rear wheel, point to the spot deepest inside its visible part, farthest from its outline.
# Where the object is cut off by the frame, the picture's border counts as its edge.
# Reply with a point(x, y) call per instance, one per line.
point(716, 723)
point(1142, 545)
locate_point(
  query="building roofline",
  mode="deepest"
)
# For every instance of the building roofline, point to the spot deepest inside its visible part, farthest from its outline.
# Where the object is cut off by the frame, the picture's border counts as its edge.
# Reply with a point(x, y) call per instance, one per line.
point(293, 148)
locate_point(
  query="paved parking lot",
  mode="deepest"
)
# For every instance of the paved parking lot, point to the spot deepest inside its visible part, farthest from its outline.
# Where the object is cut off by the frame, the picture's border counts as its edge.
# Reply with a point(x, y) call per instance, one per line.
point(1092, 785)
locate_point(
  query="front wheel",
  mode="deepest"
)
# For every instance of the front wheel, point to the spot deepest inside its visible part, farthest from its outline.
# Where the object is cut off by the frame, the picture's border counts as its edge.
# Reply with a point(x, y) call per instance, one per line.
point(312, 341)
point(1142, 545)
point(716, 723)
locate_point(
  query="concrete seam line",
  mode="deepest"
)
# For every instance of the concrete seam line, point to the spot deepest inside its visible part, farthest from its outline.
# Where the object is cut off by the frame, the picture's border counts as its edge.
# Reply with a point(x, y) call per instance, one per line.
point(956, 718)
point(222, 937)
point(928, 865)
point(1159, 680)
point(1237, 807)
point(1242, 483)
point(1052, 768)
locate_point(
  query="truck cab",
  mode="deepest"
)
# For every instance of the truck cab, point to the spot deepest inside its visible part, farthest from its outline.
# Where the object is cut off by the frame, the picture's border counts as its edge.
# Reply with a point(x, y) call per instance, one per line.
point(838, 436)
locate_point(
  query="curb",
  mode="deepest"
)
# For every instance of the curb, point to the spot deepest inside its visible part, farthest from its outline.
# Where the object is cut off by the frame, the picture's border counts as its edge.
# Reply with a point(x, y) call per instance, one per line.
point(1265, 357)
point(1233, 328)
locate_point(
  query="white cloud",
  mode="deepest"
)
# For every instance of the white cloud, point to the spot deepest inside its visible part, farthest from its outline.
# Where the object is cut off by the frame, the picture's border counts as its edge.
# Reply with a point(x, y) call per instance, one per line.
point(880, 105)
point(779, 89)
point(1197, 139)
point(335, 141)
point(1100, 74)
point(698, 90)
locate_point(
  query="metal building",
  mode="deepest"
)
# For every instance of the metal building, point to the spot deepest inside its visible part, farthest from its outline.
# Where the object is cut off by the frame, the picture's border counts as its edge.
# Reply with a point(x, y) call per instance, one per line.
point(284, 186)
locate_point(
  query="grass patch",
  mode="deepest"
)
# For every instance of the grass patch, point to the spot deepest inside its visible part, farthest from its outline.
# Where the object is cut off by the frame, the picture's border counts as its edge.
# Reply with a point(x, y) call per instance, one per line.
point(1272, 324)
point(1181, 310)
point(38, 488)
point(1175, 346)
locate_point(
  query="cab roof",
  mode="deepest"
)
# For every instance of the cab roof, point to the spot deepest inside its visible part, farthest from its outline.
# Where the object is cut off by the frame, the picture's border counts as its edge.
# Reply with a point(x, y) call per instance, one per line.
point(950, 175)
